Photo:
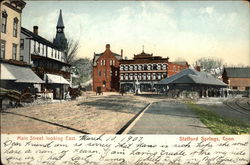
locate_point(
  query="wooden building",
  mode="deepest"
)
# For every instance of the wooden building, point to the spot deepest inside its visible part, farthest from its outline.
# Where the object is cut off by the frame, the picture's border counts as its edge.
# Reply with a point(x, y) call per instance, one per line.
point(106, 70)
point(204, 84)
point(237, 78)
point(47, 59)
point(14, 74)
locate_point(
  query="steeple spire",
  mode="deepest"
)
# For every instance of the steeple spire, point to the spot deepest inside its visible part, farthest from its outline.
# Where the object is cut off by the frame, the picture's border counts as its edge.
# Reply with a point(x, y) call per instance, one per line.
point(60, 20)
point(60, 40)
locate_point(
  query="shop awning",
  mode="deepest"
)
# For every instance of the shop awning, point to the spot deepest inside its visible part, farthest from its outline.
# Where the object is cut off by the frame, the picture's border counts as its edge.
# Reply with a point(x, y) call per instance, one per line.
point(19, 74)
point(55, 79)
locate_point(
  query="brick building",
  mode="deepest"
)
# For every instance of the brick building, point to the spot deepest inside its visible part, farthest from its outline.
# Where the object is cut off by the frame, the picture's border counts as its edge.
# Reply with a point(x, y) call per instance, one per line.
point(145, 70)
point(176, 67)
point(237, 78)
point(106, 70)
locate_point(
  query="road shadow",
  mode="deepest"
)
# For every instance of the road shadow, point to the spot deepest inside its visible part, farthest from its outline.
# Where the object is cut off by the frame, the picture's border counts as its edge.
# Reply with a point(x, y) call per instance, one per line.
point(114, 104)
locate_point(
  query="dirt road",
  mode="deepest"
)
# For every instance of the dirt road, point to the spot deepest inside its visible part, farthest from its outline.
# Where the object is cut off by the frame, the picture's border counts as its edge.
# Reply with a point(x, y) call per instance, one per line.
point(104, 114)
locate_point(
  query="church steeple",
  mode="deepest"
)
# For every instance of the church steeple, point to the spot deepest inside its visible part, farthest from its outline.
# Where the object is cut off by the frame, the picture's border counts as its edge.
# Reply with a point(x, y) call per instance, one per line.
point(60, 20)
point(60, 40)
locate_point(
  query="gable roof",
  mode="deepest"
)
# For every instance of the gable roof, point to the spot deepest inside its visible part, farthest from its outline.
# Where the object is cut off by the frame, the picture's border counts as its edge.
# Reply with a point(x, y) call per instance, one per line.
point(192, 76)
point(96, 57)
point(234, 72)
point(37, 38)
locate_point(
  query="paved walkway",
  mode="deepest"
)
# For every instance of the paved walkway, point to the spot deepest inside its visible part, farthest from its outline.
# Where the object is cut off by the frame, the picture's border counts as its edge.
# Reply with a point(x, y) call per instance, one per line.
point(169, 118)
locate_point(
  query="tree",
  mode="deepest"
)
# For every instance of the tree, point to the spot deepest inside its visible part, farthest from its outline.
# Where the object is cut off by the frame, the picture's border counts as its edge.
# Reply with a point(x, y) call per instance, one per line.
point(71, 51)
point(213, 66)
point(82, 70)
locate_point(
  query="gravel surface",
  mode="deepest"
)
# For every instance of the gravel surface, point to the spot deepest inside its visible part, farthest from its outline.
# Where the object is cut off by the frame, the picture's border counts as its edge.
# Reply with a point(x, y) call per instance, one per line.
point(101, 114)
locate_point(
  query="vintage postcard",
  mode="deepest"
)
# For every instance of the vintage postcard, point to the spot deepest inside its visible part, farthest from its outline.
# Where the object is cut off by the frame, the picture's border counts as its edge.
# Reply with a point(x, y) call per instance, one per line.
point(125, 82)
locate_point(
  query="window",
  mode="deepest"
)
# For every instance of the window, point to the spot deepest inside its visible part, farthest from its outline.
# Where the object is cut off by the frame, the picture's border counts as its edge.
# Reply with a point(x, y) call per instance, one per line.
point(111, 62)
point(154, 76)
point(15, 25)
point(174, 67)
point(14, 51)
point(111, 73)
point(154, 66)
point(116, 73)
point(104, 72)
point(121, 67)
point(104, 83)
point(135, 67)
point(158, 66)
point(42, 49)
point(149, 67)
point(22, 44)
point(247, 88)
point(126, 76)
point(131, 76)
point(4, 21)
point(51, 52)
point(38, 47)
point(234, 87)
point(21, 58)
point(104, 62)
point(2, 49)
point(99, 73)
point(34, 46)
point(121, 77)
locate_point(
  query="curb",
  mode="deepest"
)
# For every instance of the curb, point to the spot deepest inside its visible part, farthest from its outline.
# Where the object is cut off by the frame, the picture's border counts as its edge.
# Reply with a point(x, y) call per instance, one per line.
point(125, 129)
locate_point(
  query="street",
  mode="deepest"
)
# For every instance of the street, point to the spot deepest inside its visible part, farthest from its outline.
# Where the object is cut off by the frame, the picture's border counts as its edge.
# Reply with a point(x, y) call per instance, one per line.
point(109, 113)
point(169, 117)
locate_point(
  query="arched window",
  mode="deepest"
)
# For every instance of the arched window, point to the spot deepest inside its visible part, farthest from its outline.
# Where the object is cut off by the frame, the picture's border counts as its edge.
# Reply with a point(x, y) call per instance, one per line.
point(4, 21)
point(15, 27)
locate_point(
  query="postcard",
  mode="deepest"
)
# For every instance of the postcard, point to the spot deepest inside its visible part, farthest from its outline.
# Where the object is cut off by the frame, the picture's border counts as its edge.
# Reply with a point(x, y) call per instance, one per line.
point(124, 82)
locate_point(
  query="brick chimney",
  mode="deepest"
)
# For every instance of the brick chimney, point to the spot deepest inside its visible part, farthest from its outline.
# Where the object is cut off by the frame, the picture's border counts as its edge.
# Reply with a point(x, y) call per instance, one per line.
point(107, 46)
point(198, 68)
point(122, 53)
point(35, 30)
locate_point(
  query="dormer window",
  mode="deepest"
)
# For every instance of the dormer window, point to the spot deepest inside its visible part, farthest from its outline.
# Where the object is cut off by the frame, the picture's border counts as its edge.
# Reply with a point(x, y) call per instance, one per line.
point(15, 25)
point(4, 21)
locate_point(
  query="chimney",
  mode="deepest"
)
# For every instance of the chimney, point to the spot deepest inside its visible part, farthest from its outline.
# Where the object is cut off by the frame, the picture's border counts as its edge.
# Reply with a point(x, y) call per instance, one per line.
point(122, 53)
point(198, 68)
point(35, 30)
point(107, 46)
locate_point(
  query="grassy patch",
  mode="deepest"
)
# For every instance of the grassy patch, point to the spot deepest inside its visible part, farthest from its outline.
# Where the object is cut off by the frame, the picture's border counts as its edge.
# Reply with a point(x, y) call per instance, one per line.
point(218, 124)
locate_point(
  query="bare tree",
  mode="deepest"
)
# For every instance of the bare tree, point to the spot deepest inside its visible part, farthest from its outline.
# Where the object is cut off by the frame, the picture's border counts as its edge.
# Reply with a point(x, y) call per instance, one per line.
point(213, 66)
point(71, 51)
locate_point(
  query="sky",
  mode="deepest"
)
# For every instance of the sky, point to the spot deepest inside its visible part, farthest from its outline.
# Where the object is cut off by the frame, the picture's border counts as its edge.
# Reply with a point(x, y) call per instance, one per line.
point(180, 30)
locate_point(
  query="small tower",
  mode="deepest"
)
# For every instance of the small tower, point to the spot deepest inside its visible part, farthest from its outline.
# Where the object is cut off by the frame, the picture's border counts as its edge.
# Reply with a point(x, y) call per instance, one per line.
point(60, 40)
